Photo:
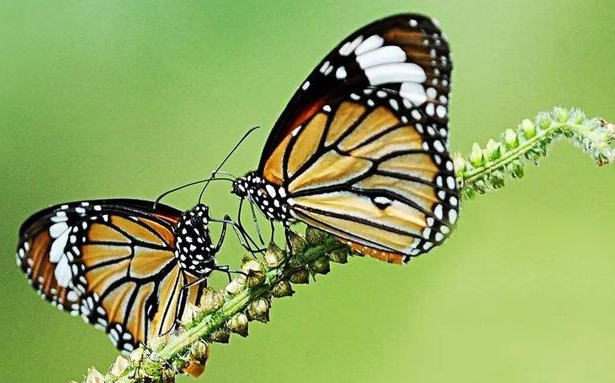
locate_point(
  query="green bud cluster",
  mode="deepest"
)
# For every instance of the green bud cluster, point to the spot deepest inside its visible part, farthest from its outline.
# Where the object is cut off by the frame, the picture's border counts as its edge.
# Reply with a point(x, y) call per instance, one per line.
point(487, 168)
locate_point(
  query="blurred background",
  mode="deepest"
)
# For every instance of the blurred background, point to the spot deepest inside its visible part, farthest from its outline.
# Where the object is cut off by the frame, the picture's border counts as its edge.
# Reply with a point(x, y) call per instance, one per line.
point(127, 99)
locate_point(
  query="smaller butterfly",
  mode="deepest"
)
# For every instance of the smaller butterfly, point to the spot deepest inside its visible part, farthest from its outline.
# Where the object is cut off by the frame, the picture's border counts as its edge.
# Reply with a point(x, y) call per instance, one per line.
point(128, 267)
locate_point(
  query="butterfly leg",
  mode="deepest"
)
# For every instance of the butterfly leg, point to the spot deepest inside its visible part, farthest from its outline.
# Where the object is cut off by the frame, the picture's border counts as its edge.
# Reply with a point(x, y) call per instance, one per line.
point(244, 238)
point(289, 248)
point(225, 269)
point(255, 221)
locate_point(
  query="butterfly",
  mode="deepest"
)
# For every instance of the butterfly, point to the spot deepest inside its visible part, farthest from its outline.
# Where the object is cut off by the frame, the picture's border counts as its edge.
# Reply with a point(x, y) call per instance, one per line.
point(126, 266)
point(360, 151)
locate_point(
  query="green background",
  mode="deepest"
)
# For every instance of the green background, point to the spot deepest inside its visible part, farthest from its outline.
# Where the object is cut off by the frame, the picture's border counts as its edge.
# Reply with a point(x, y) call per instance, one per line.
point(127, 99)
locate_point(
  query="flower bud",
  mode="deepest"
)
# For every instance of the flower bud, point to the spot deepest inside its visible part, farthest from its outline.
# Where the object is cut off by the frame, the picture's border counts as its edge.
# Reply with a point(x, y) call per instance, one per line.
point(320, 266)
point(238, 324)
point(493, 150)
point(511, 139)
point(198, 355)
point(496, 179)
point(476, 156)
point(94, 376)
point(136, 355)
point(297, 243)
point(235, 286)
point(338, 256)
point(190, 312)
point(560, 114)
point(282, 289)
point(254, 272)
point(528, 128)
point(259, 310)
point(220, 336)
point(274, 256)
point(517, 169)
point(168, 376)
point(459, 163)
point(314, 236)
point(119, 366)
point(211, 300)
point(480, 186)
point(301, 276)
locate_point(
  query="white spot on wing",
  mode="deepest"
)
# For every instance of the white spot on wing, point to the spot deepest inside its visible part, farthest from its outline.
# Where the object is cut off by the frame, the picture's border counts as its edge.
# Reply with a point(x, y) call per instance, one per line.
point(57, 229)
point(325, 66)
point(392, 73)
point(62, 272)
point(57, 247)
point(340, 73)
point(388, 54)
point(413, 92)
point(371, 43)
point(350, 46)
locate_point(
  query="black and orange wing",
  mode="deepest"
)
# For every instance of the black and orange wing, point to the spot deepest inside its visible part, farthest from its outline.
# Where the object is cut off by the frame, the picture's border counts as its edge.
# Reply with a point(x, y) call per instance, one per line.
point(110, 261)
point(405, 53)
point(362, 148)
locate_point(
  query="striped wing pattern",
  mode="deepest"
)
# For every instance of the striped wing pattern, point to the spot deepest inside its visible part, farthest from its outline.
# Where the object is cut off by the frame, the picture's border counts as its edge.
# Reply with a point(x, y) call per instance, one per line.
point(362, 146)
point(111, 262)
point(360, 173)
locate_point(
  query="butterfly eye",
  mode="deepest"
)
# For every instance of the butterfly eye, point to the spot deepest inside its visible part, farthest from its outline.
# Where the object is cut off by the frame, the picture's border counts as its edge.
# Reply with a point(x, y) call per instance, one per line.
point(239, 188)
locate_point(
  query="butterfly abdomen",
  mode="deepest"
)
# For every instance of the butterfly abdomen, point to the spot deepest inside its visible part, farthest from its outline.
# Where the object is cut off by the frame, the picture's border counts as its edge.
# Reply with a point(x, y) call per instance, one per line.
point(194, 249)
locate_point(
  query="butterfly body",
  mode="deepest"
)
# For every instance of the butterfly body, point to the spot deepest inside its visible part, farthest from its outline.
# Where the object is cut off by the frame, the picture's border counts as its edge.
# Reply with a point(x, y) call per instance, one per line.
point(128, 267)
point(195, 251)
point(272, 199)
point(360, 151)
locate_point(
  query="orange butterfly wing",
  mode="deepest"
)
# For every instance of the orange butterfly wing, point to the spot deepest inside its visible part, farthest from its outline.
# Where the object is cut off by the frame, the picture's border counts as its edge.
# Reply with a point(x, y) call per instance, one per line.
point(111, 262)
point(362, 148)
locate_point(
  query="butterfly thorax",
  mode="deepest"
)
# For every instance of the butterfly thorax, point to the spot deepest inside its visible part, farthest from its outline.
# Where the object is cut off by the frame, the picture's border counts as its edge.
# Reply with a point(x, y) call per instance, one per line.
point(270, 198)
point(194, 249)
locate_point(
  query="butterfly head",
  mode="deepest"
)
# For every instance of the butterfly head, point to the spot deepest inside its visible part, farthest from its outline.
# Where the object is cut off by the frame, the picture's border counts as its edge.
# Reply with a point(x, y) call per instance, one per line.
point(194, 249)
point(243, 185)
point(270, 198)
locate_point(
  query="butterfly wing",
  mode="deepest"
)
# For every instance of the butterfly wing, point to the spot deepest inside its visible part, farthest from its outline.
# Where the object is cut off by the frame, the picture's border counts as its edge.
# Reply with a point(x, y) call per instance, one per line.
point(363, 155)
point(111, 262)
point(406, 53)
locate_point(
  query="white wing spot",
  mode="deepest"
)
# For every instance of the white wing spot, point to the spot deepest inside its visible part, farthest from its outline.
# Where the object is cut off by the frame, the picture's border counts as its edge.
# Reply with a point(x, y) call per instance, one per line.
point(340, 73)
point(413, 92)
point(350, 46)
point(384, 55)
point(369, 44)
point(396, 72)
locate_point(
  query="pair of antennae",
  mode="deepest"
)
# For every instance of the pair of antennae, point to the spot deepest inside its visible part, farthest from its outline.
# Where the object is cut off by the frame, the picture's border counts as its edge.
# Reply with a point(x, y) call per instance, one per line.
point(213, 174)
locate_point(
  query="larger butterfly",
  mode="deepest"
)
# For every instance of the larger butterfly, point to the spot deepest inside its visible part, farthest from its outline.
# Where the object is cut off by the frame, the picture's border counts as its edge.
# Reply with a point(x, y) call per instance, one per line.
point(361, 149)
point(129, 267)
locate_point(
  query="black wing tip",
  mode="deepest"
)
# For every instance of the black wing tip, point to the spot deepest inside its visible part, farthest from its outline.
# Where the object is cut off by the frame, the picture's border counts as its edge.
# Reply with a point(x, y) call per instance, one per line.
point(35, 221)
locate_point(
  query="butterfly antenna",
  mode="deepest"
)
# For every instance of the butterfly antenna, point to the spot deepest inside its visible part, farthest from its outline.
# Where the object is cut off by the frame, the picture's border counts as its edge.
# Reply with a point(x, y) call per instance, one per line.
point(215, 172)
point(225, 173)
point(166, 193)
